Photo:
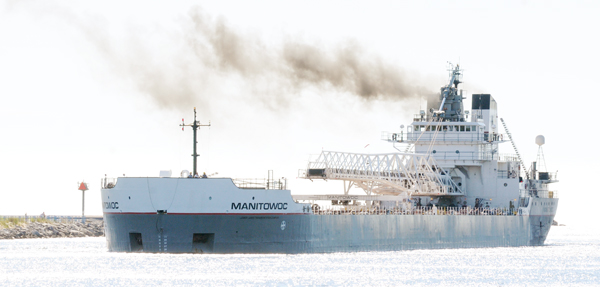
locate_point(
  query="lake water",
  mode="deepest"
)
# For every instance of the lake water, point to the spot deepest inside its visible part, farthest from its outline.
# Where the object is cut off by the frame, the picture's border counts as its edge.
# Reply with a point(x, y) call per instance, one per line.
point(571, 257)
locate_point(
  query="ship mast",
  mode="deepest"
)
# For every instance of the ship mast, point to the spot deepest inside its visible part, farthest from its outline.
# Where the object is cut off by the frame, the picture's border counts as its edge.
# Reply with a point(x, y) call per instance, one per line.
point(195, 126)
point(451, 107)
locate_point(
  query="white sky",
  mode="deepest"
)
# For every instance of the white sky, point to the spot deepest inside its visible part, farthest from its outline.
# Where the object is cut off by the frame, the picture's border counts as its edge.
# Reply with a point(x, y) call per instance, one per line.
point(72, 111)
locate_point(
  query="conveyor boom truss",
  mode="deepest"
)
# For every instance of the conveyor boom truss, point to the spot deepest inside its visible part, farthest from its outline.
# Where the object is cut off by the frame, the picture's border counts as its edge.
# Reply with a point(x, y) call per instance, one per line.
point(391, 174)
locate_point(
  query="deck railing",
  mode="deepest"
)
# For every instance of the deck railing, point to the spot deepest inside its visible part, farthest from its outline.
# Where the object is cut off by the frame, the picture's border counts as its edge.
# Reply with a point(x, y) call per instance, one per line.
point(478, 156)
point(423, 210)
point(539, 193)
point(260, 183)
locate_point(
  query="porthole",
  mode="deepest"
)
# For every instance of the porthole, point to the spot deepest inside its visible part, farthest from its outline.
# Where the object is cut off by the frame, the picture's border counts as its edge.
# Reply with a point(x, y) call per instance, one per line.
point(433, 151)
point(457, 151)
point(505, 184)
point(210, 198)
point(460, 184)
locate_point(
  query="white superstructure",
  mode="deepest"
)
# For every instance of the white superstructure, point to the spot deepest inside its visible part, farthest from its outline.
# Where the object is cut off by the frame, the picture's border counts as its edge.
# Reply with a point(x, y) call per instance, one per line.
point(449, 160)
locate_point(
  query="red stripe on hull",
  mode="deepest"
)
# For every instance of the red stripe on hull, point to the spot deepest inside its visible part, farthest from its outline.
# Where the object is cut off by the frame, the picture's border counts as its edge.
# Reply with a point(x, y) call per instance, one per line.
point(147, 213)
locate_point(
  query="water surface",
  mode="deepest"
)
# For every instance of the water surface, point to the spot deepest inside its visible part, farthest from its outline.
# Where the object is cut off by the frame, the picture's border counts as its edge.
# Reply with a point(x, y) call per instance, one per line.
point(571, 257)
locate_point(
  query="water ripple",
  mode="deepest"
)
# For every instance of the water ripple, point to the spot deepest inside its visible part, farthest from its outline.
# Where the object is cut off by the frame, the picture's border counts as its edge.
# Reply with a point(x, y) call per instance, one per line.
point(571, 257)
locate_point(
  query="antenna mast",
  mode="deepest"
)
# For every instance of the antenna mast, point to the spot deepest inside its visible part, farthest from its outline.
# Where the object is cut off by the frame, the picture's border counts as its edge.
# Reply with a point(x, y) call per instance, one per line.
point(196, 125)
point(451, 107)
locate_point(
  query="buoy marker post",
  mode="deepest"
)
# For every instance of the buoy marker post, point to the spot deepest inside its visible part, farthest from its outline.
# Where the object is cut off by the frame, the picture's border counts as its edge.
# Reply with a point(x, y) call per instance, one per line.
point(83, 187)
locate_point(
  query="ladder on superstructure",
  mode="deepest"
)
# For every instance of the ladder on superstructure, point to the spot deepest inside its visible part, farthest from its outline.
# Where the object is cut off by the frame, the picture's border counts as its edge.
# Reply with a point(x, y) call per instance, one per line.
point(514, 147)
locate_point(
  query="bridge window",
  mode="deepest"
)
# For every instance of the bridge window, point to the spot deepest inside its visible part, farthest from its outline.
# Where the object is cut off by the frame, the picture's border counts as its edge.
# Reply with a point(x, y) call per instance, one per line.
point(462, 128)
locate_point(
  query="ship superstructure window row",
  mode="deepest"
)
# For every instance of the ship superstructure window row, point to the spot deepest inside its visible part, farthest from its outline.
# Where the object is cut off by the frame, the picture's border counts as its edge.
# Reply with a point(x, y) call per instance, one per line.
point(450, 128)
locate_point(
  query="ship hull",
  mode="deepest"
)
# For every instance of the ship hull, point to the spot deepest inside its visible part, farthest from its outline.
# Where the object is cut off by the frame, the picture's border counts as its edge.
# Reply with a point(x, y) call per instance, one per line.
point(308, 233)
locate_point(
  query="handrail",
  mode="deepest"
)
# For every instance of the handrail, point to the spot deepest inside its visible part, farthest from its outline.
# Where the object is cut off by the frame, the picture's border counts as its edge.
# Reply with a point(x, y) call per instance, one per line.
point(446, 136)
point(260, 183)
point(539, 193)
point(480, 156)
point(423, 210)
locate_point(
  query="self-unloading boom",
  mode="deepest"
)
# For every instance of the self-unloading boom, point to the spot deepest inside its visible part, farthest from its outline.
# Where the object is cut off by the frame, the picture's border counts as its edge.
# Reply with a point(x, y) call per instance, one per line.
point(391, 173)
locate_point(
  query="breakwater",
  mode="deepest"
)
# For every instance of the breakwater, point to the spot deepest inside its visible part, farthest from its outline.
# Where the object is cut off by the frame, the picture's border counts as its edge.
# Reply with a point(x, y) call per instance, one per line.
point(92, 228)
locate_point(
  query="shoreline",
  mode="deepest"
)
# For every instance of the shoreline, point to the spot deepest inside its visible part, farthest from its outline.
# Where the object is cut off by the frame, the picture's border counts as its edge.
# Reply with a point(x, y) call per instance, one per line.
point(92, 228)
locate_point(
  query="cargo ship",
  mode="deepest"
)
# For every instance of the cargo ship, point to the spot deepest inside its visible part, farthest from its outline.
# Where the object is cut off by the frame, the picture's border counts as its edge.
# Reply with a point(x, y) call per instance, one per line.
point(445, 186)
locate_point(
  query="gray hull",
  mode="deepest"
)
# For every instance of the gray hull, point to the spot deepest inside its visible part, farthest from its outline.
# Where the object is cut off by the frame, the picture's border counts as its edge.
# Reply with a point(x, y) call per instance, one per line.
point(189, 233)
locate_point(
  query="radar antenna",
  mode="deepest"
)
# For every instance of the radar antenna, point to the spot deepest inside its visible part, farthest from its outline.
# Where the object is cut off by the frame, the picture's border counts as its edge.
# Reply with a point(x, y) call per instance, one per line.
point(196, 125)
point(453, 111)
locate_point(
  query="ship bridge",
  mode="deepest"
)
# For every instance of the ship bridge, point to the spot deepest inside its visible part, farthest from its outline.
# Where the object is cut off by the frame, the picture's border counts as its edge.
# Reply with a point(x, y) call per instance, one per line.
point(385, 174)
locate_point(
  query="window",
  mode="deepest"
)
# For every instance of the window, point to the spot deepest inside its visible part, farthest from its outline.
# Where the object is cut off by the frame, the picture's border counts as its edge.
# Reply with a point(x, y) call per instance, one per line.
point(462, 128)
